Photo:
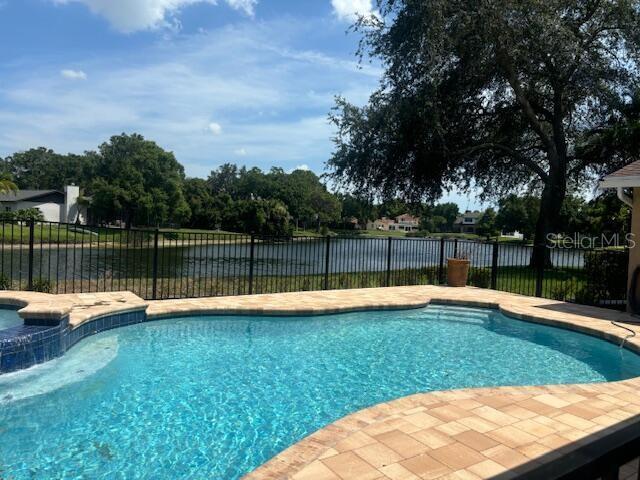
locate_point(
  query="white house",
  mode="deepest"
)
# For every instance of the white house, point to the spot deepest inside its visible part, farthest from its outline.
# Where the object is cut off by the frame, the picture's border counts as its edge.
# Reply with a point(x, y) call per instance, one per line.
point(467, 222)
point(403, 223)
point(55, 205)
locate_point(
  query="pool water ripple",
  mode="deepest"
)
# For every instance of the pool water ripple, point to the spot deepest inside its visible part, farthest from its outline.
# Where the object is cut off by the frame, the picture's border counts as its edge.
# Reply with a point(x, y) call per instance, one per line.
point(215, 397)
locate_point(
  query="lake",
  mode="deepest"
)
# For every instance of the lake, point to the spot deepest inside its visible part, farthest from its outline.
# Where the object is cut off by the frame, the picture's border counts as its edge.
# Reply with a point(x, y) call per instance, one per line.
point(307, 256)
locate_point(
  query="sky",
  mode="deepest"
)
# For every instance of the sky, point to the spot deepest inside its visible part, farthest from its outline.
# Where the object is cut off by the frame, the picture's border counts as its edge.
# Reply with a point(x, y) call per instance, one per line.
point(215, 81)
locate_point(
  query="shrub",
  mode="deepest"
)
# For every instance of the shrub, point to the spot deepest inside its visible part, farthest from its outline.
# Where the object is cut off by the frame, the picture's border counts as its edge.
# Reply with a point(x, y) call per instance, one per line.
point(428, 275)
point(605, 276)
point(171, 235)
point(585, 297)
point(41, 285)
point(480, 277)
point(562, 291)
point(5, 282)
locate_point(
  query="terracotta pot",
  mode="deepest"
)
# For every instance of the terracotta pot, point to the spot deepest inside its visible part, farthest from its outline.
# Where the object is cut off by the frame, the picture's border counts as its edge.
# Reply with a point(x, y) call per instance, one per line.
point(457, 272)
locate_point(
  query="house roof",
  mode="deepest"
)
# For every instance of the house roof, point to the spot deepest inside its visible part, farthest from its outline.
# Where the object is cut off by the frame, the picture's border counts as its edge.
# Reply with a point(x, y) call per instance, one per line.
point(384, 220)
point(407, 216)
point(23, 195)
point(628, 176)
point(473, 215)
point(470, 214)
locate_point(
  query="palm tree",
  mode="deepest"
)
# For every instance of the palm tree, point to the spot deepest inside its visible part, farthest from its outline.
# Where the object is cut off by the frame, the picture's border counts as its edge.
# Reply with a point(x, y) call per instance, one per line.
point(6, 184)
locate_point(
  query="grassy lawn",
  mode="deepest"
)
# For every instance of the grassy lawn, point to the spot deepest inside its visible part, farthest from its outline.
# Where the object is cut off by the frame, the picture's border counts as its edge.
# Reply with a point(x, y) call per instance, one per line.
point(558, 284)
point(198, 230)
point(19, 234)
point(53, 234)
point(370, 233)
point(461, 236)
point(307, 233)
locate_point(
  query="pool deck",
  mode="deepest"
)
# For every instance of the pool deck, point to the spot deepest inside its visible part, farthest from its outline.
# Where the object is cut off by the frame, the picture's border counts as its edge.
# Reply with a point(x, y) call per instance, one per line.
point(78, 307)
point(506, 432)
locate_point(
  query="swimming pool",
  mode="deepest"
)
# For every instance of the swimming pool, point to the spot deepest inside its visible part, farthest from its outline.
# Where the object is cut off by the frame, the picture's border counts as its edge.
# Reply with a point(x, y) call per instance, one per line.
point(215, 397)
point(9, 317)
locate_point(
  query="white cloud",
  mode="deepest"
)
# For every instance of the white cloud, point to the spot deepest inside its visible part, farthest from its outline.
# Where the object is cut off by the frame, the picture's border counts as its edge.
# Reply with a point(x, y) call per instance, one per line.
point(73, 74)
point(215, 128)
point(350, 10)
point(247, 6)
point(244, 78)
point(132, 15)
point(304, 167)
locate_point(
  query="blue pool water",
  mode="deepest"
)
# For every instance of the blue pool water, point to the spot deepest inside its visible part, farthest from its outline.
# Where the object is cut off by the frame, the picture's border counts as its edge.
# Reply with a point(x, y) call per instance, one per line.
point(9, 318)
point(215, 397)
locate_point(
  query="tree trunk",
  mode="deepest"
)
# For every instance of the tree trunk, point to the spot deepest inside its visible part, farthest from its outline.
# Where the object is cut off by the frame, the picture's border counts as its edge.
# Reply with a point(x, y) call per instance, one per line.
point(128, 220)
point(553, 196)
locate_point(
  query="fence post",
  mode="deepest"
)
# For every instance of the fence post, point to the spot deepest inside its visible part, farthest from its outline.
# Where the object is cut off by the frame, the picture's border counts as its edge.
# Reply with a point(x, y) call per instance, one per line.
point(327, 260)
point(455, 248)
point(31, 241)
point(251, 258)
point(441, 265)
point(388, 281)
point(540, 268)
point(494, 266)
point(156, 234)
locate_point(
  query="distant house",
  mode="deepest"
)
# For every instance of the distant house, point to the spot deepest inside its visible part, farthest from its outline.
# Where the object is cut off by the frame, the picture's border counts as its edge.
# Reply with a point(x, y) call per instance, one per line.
point(402, 223)
point(353, 223)
point(381, 224)
point(467, 222)
point(55, 205)
point(407, 222)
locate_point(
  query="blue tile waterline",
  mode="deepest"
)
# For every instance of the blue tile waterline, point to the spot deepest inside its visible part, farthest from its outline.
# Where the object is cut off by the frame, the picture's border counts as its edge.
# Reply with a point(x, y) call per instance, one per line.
point(42, 340)
point(215, 397)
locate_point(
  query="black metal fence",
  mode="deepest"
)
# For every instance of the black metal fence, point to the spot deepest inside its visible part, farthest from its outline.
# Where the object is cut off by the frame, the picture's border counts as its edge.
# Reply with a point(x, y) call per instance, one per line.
point(160, 264)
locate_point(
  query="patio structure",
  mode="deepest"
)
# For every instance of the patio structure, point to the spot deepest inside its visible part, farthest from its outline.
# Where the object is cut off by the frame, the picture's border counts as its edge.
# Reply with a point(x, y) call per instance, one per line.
point(628, 178)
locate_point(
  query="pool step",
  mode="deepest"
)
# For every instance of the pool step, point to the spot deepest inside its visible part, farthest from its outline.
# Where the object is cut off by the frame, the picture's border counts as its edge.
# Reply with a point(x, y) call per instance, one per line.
point(458, 315)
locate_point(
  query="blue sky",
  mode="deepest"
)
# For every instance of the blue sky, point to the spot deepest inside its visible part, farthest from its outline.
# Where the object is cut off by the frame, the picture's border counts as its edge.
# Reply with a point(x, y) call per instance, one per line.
point(242, 81)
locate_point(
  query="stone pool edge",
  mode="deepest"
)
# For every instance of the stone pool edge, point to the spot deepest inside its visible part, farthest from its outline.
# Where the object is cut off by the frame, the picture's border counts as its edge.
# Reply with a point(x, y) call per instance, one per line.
point(503, 432)
point(52, 324)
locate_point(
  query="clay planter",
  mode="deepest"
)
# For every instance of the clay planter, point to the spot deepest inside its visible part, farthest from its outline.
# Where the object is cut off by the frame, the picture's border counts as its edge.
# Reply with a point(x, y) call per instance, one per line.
point(457, 272)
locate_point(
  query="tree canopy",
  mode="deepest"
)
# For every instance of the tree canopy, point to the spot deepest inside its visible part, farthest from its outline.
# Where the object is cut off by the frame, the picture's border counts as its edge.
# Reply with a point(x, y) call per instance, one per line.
point(138, 181)
point(42, 168)
point(518, 214)
point(496, 94)
point(308, 201)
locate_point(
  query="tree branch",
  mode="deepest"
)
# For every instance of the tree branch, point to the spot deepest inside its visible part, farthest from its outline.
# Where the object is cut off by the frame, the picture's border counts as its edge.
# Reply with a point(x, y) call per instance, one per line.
point(526, 106)
point(514, 154)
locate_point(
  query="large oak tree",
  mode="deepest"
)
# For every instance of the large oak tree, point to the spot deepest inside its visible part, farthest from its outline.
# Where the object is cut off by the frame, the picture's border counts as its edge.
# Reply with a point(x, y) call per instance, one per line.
point(493, 93)
point(139, 182)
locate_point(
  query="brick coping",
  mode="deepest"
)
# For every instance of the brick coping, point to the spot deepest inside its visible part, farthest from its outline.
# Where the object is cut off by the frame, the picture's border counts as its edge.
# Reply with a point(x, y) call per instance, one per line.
point(77, 307)
point(503, 432)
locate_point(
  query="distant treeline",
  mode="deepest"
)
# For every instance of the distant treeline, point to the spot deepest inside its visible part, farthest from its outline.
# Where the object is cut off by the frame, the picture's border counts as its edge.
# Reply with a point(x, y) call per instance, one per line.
point(134, 181)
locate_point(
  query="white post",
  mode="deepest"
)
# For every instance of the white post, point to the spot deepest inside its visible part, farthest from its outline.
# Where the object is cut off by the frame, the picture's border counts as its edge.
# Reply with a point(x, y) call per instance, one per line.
point(71, 207)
